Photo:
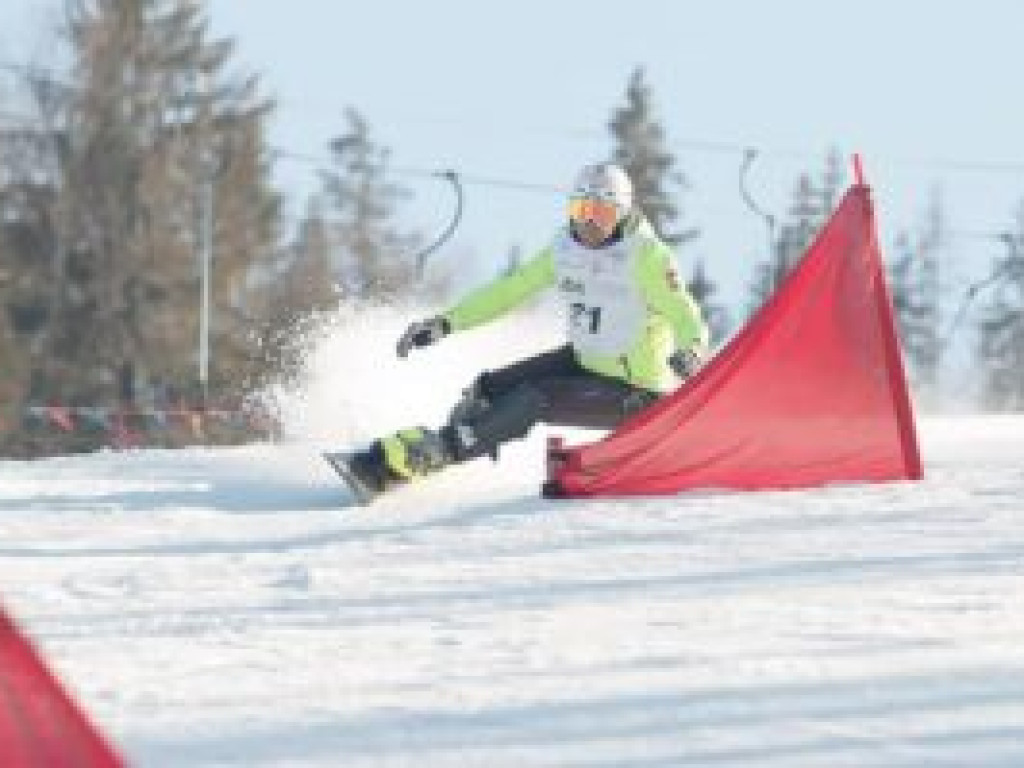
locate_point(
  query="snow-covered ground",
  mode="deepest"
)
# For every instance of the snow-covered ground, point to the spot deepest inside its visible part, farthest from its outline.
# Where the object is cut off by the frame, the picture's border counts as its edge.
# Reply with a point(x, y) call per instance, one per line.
point(226, 607)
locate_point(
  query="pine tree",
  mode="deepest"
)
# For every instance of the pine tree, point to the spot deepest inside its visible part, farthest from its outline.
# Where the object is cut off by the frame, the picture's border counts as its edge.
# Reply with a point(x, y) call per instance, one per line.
point(789, 246)
point(813, 203)
point(916, 299)
point(13, 296)
point(306, 284)
point(641, 148)
point(373, 257)
point(107, 208)
point(831, 185)
point(26, 247)
point(152, 120)
point(703, 291)
point(247, 216)
point(301, 283)
point(1001, 347)
point(32, 248)
point(293, 297)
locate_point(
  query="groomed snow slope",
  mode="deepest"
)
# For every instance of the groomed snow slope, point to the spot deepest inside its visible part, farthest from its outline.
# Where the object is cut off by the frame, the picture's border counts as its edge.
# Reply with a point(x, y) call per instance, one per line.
point(225, 607)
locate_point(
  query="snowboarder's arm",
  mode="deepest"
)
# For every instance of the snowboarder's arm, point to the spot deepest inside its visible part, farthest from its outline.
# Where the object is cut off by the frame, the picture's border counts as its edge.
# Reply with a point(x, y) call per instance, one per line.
point(668, 296)
point(503, 294)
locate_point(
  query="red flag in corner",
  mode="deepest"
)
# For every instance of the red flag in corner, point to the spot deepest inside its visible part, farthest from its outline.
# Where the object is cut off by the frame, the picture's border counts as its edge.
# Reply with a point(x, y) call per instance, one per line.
point(40, 726)
point(812, 391)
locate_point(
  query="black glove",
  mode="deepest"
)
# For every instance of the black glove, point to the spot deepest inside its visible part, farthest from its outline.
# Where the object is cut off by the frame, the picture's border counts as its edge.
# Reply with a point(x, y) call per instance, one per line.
point(423, 333)
point(685, 362)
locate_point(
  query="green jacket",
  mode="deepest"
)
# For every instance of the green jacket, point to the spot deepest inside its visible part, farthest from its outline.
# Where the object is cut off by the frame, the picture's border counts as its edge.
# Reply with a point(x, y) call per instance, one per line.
point(627, 309)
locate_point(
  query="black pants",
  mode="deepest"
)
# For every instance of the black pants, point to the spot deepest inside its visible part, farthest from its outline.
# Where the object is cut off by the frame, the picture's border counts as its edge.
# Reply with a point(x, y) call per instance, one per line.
point(551, 388)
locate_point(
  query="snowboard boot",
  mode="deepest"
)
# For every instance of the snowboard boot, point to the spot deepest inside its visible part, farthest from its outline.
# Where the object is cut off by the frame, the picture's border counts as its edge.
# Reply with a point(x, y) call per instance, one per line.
point(391, 462)
point(413, 453)
point(366, 472)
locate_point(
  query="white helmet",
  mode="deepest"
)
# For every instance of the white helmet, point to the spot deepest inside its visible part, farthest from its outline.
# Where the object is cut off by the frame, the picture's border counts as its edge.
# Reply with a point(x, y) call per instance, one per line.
point(608, 182)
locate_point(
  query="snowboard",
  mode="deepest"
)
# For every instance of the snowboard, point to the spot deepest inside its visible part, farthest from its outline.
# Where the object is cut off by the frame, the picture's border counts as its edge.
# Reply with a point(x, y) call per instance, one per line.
point(340, 463)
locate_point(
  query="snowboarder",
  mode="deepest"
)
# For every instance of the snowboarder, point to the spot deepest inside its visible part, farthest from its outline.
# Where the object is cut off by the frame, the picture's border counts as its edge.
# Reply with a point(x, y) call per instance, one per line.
point(634, 332)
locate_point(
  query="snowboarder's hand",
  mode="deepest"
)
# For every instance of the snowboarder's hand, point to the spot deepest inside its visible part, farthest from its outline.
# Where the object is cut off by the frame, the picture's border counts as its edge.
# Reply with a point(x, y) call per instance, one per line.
point(423, 333)
point(685, 362)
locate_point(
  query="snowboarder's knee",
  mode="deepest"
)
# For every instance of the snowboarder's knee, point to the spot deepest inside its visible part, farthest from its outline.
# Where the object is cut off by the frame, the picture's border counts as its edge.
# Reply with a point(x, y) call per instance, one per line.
point(507, 418)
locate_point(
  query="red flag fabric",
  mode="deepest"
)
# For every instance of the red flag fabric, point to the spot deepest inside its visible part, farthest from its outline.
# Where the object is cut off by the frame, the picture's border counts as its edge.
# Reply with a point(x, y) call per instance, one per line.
point(40, 726)
point(812, 391)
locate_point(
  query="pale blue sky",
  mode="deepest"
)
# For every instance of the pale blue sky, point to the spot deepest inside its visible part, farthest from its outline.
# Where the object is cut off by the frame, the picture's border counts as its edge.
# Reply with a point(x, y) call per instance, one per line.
point(523, 91)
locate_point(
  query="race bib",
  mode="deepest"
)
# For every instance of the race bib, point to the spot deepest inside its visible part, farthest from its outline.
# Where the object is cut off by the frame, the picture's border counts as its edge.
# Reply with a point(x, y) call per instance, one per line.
point(605, 309)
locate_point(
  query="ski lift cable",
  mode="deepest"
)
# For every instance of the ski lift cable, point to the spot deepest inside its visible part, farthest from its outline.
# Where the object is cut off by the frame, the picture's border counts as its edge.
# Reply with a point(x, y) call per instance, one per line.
point(695, 144)
point(465, 179)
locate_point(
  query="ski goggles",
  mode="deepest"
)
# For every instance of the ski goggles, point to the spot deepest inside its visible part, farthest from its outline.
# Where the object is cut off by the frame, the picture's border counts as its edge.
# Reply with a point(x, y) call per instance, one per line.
point(603, 213)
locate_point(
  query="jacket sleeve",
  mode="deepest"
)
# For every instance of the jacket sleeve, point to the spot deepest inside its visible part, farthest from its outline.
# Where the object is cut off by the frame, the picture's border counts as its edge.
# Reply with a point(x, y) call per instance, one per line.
point(503, 294)
point(667, 295)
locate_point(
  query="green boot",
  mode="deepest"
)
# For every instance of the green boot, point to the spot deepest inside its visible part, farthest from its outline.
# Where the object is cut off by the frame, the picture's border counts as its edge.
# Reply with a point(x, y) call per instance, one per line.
point(414, 453)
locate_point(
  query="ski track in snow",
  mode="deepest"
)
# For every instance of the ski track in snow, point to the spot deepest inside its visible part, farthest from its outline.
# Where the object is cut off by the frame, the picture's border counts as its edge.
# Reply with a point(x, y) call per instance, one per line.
point(225, 607)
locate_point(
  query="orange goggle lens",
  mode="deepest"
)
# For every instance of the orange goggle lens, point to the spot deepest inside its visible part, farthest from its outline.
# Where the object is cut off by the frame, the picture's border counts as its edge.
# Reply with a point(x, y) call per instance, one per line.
point(600, 212)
